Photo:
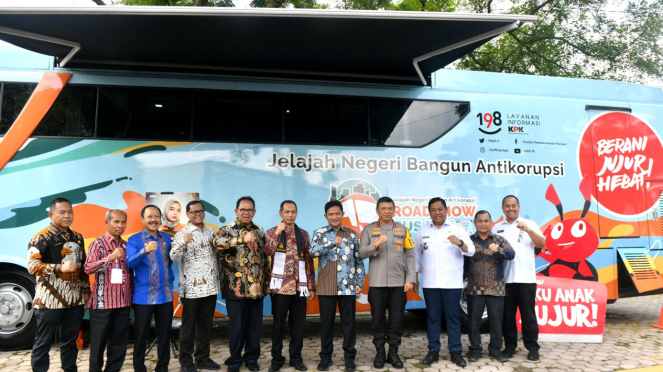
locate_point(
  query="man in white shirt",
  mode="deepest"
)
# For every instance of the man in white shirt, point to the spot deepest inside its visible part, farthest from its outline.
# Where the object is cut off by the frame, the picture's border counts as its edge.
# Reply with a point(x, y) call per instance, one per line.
point(520, 275)
point(439, 252)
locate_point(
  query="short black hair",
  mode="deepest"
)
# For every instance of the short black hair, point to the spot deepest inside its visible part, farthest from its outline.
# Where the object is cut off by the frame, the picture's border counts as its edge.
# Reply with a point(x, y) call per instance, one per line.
point(142, 211)
point(333, 203)
point(385, 199)
point(483, 212)
point(510, 196)
point(287, 202)
point(194, 202)
point(247, 198)
point(59, 200)
point(435, 200)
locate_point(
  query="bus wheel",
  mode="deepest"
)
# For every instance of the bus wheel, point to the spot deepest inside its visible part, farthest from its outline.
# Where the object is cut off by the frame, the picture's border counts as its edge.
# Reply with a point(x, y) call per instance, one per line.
point(17, 325)
point(465, 318)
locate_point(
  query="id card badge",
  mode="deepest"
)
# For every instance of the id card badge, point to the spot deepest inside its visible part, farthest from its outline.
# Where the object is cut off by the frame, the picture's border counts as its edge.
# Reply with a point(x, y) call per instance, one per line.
point(116, 276)
point(279, 263)
point(302, 271)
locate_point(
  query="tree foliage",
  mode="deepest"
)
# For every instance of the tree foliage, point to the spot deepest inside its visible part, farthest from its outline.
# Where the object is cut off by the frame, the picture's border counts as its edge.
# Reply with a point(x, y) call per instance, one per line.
point(575, 38)
point(224, 3)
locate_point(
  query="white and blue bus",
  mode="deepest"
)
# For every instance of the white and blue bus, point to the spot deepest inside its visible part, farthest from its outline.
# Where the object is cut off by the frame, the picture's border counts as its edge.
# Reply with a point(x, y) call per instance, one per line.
point(103, 105)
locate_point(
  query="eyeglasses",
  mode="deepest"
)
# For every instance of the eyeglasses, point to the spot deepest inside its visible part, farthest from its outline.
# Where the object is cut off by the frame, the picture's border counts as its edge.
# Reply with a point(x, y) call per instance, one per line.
point(197, 212)
point(247, 211)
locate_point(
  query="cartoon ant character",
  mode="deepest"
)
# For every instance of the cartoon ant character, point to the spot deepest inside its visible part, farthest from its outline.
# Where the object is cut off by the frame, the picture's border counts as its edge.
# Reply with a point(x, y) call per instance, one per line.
point(570, 242)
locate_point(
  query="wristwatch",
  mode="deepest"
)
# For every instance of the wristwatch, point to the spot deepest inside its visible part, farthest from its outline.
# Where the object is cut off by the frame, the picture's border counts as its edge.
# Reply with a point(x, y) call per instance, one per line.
point(462, 243)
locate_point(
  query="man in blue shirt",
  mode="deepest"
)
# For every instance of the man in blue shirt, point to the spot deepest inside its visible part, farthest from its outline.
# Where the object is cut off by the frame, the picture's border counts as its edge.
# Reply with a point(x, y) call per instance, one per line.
point(148, 254)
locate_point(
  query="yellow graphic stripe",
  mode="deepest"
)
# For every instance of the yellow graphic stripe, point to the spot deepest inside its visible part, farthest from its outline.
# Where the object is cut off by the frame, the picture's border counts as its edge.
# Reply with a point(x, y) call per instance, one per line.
point(619, 230)
point(152, 144)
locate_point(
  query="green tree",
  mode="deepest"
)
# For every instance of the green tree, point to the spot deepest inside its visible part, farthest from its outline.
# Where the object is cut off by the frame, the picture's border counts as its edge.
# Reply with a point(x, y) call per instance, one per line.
point(224, 3)
point(575, 38)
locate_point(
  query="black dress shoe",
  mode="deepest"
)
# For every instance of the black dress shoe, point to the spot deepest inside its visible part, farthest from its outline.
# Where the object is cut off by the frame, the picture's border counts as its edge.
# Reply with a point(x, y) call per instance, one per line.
point(431, 357)
point(458, 359)
point(298, 365)
point(274, 368)
point(473, 356)
point(498, 356)
point(380, 358)
point(325, 364)
point(233, 368)
point(533, 355)
point(508, 353)
point(350, 365)
point(208, 364)
point(188, 368)
point(393, 358)
point(252, 366)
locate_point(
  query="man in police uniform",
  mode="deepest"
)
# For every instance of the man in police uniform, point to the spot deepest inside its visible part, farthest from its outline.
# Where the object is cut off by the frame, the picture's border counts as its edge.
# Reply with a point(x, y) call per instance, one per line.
point(520, 275)
point(388, 246)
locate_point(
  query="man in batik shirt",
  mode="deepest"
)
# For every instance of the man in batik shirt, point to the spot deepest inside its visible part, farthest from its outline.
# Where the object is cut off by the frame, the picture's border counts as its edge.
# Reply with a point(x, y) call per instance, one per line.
point(341, 276)
point(198, 288)
point(56, 256)
point(244, 282)
point(110, 303)
point(486, 287)
point(148, 254)
point(292, 282)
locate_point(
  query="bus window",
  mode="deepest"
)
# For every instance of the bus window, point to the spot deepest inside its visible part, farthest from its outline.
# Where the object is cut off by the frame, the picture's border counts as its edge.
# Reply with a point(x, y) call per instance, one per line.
point(237, 117)
point(72, 114)
point(149, 114)
point(407, 123)
point(326, 120)
point(14, 98)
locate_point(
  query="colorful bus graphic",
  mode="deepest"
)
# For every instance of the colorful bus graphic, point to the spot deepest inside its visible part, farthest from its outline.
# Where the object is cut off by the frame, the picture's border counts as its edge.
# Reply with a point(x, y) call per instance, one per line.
point(104, 139)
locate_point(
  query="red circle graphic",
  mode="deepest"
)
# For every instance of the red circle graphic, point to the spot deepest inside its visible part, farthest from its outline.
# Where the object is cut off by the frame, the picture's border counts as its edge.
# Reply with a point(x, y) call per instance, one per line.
point(622, 154)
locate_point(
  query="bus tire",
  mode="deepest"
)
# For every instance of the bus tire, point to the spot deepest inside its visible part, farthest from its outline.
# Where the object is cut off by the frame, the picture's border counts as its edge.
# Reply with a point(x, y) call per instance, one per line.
point(464, 316)
point(17, 323)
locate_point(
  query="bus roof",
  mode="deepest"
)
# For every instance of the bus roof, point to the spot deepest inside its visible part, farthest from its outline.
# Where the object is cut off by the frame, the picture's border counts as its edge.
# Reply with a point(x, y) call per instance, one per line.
point(369, 46)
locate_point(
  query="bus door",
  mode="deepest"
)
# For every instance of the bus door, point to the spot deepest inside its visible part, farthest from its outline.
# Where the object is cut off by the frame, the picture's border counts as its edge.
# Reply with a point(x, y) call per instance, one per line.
point(622, 219)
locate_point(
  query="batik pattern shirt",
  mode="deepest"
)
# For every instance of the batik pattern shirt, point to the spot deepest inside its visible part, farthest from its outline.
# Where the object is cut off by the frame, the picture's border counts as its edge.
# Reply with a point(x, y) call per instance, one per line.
point(350, 271)
point(290, 284)
point(245, 270)
point(47, 251)
point(198, 262)
point(107, 295)
point(153, 271)
point(486, 268)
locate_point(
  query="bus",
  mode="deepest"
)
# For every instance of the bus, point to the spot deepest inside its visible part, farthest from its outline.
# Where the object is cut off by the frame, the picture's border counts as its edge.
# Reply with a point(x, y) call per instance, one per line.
point(98, 108)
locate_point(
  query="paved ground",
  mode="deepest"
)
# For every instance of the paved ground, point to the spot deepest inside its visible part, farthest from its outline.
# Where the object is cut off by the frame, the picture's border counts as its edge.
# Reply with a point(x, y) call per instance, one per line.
point(629, 342)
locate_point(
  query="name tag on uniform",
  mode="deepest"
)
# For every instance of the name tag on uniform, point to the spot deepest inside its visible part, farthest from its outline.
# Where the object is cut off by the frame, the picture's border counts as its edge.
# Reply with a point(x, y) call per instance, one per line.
point(279, 263)
point(302, 271)
point(116, 276)
point(500, 231)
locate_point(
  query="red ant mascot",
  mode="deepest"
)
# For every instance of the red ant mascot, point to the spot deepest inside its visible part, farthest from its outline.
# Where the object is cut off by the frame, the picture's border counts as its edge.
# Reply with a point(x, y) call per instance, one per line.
point(570, 242)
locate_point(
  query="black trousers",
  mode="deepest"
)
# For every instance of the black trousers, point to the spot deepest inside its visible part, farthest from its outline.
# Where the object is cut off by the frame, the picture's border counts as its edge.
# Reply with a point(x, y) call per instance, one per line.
point(197, 320)
point(294, 307)
point(244, 327)
point(495, 306)
point(69, 322)
point(347, 307)
point(381, 299)
point(520, 296)
point(108, 327)
point(163, 319)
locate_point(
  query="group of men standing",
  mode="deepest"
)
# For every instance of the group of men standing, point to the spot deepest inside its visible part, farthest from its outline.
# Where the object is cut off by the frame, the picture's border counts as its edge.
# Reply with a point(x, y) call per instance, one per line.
point(244, 263)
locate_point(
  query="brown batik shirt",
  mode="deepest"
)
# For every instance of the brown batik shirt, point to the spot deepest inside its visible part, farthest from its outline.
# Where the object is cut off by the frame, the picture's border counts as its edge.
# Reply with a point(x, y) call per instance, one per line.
point(47, 251)
point(245, 272)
